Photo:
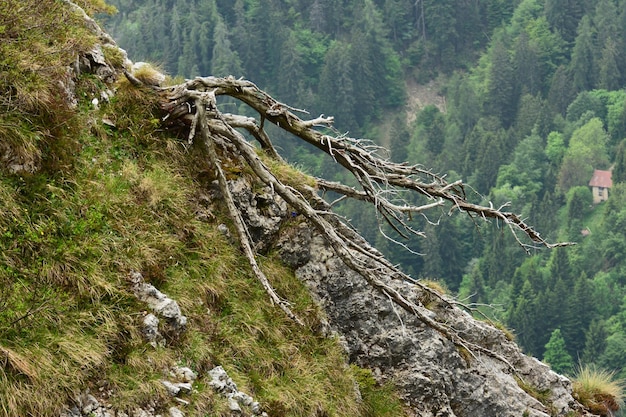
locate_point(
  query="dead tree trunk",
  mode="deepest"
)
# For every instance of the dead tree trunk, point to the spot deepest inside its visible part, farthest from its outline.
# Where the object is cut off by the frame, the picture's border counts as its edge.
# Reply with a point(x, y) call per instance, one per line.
point(382, 183)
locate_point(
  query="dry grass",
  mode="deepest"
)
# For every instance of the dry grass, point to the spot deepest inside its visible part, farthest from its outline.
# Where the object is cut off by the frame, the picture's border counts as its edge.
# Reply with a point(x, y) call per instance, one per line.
point(598, 390)
point(128, 201)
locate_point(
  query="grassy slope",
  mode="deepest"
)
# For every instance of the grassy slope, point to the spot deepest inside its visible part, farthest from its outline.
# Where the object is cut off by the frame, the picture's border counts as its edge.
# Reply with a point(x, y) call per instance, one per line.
point(108, 201)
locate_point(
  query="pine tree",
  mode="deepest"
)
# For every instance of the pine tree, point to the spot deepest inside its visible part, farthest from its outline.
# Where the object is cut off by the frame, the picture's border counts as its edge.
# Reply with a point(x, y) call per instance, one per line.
point(432, 125)
point(225, 61)
point(556, 354)
point(336, 87)
point(563, 16)
point(606, 21)
point(522, 319)
point(560, 93)
point(290, 72)
point(440, 21)
point(526, 64)
point(501, 100)
point(580, 312)
point(595, 342)
point(619, 169)
point(609, 74)
point(582, 63)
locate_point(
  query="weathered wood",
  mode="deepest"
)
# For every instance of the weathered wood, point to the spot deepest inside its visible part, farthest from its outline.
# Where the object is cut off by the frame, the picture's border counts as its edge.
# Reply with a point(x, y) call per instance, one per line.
point(381, 182)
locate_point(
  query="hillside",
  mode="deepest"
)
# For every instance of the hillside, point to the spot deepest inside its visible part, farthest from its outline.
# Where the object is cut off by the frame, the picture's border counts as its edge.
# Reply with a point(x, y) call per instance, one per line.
point(534, 102)
point(127, 285)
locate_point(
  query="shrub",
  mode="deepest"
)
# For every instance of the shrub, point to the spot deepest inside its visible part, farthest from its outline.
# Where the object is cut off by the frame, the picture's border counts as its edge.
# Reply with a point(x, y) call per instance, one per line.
point(598, 390)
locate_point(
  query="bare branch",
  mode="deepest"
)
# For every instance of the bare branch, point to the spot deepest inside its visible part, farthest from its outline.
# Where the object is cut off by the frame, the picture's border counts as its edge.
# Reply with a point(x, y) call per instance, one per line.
point(387, 185)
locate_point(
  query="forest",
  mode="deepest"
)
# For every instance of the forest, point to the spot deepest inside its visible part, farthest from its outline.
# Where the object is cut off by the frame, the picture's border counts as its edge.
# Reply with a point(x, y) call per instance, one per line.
point(534, 101)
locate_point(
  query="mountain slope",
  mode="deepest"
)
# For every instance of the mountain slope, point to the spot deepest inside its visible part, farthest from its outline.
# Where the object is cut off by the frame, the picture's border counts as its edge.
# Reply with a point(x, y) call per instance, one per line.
point(104, 212)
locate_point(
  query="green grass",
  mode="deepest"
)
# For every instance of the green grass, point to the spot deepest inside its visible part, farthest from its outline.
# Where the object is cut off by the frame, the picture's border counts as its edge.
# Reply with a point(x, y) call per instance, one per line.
point(111, 200)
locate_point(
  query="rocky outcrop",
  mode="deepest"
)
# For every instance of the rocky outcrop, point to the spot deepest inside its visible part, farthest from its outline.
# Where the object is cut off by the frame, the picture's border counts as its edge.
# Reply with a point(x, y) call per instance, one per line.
point(221, 382)
point(435, 376)
point(88, 405)
point(163, 306)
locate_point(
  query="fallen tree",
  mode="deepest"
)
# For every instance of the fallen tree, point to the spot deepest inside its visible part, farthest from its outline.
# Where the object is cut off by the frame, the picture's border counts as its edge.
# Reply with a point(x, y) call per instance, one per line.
point(192, 107)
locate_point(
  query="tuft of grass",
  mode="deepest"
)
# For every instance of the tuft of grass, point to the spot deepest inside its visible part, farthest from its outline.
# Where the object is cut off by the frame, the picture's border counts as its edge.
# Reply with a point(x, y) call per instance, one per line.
point(438, 286)
point(541, 395)
point(508, 333)
point(378, 400)
point(429, 300)
point(598, 390)
point(286, 173)
point(113, 56)
point(148, 74)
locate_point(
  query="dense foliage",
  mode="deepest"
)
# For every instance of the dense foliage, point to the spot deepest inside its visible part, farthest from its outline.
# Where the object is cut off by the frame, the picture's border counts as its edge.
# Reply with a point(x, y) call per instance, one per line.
point(535, 102)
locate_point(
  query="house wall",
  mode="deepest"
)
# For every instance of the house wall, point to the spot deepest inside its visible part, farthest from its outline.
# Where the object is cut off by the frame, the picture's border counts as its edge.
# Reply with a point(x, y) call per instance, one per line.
point(600, 194)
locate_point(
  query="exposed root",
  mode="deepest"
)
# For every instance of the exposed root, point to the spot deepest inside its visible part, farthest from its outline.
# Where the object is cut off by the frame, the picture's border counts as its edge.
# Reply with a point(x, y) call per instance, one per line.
point(385, 184)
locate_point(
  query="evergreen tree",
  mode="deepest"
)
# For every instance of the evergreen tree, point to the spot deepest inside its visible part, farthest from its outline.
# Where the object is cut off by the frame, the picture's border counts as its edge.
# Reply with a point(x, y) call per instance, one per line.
point(440, 22)
point(522, 319)
point(559, 265)
point(225, 61)
point(432, 125)
point(290, 72)
point(563, 16)
point(619, 169)
point(550, 46)
point(620, 39)
point(614, 356)
point(526, 64)
point(533, 117)
point(463, 102)
point(400, 138)
point(606, 21)
point(485, 151)
point(433, 262)
point(609, 74)
point(499, 12)
point(501, 99)
point(560, 93)
point(595, 342)
point(580, 312)
point(582, 63)
point(336, 87)
point(579, 199)
point(400, 16)
point(556, 354)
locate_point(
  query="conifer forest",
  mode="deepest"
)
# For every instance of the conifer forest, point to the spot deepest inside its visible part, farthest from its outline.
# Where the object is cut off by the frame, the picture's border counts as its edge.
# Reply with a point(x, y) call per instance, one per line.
point(523, 100)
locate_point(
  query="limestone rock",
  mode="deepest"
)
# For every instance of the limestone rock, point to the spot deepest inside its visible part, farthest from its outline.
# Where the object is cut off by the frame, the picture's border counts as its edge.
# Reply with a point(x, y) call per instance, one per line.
point(221, 382)
point(160, 303)
point(262, 211)
point(150, 329)
point(434, 376)
point(175, 412)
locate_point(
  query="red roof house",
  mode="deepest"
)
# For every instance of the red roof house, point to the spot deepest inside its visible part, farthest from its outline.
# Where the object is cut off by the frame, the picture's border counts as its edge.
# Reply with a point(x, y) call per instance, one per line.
point(600, 183)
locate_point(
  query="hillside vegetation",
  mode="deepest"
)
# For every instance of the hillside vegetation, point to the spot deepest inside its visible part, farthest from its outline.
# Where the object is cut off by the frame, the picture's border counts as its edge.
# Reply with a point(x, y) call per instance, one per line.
point(534, 102)
point(93, 191)
point(90, 193)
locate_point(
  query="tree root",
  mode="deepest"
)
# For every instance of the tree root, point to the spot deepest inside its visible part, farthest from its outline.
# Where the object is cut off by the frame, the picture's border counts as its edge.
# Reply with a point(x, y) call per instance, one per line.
point(382, 183)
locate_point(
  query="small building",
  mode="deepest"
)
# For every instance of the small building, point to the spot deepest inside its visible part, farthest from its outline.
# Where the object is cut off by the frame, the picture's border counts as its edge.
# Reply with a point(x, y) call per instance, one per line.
point(600, 183)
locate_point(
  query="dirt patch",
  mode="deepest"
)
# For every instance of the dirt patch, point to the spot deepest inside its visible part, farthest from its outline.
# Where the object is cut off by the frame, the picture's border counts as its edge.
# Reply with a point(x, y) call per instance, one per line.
point(420, 96)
